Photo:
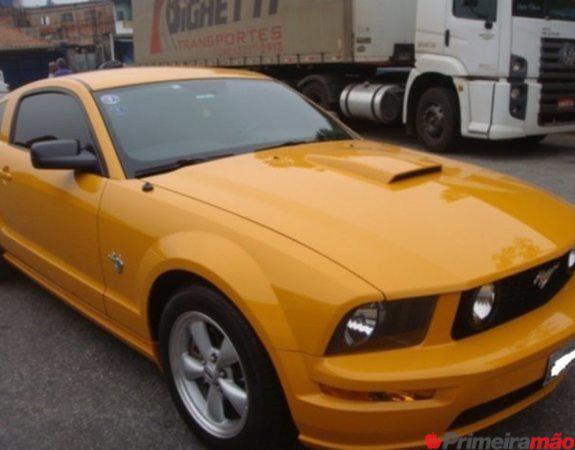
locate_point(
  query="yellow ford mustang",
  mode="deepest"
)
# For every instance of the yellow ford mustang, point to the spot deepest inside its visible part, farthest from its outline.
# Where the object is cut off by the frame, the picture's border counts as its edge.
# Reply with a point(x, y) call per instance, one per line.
point(289, 277)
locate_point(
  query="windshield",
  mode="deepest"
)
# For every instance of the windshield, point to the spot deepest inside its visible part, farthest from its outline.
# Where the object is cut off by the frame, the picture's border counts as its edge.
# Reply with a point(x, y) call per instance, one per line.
point(167, 125)
point(553, 9)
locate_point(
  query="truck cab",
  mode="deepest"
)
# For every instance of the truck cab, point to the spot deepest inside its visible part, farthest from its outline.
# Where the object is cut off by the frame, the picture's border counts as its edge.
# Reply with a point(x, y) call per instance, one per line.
point(492, 69)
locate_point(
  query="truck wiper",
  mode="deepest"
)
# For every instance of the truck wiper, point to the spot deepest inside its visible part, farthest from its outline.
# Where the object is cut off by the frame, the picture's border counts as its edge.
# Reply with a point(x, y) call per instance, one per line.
point(185, 162)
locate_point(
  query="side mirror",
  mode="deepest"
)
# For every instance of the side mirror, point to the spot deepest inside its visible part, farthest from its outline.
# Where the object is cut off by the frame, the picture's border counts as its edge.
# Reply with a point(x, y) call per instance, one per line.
point(63, 155)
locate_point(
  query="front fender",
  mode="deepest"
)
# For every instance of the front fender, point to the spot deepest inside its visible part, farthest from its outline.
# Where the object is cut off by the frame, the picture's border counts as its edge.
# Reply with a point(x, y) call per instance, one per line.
point(229, 268)
point(445, 65)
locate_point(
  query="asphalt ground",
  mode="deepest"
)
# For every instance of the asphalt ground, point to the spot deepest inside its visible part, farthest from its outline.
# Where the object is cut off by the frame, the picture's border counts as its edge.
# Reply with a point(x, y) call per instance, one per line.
point(66, 384)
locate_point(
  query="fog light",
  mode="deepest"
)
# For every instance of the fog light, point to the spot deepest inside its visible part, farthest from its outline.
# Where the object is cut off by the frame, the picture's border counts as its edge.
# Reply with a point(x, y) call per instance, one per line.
point(397, 396)
point(484, 305)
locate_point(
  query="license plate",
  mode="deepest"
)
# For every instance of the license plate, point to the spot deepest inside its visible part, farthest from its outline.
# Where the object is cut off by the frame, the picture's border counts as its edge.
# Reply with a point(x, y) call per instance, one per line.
point(566, 103)
point(560, 362)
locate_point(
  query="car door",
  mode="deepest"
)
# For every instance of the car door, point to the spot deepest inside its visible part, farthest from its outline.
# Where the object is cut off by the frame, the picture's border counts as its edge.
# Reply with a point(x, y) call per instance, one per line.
point(49, 217)
point(473, 35)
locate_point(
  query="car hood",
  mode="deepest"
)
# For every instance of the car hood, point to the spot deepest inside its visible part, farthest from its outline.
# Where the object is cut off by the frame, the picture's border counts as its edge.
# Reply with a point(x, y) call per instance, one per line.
point(408, 223)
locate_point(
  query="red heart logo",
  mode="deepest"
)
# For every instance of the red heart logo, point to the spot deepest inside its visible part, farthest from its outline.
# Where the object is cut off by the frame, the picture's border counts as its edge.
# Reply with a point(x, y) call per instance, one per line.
point(432, 441)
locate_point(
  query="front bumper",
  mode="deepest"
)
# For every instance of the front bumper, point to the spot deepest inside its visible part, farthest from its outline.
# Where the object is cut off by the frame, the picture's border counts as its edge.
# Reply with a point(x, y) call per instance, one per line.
point(484, 119)
point(507, 364)
point(504, 126)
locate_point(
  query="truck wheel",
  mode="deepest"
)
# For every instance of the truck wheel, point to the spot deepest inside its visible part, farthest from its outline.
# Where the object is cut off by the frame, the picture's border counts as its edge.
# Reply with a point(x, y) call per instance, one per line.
point(437, 120)
point(322, 90)
point(220, 376)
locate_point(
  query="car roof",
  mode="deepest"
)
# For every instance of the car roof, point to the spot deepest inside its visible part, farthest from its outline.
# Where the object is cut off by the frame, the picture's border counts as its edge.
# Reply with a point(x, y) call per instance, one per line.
point(116, 78)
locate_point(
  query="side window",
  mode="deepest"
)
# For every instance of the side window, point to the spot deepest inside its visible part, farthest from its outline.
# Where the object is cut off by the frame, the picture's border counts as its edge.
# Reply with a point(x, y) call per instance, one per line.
point(475, 9)
point(529, 8)
point(51, 116)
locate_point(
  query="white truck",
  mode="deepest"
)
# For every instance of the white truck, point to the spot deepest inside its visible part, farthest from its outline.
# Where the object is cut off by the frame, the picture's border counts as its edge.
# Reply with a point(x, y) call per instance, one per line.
point(485, 69)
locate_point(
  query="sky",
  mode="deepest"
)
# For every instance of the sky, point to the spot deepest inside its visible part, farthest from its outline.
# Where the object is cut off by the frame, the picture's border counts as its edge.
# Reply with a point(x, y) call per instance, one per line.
point(43, 2)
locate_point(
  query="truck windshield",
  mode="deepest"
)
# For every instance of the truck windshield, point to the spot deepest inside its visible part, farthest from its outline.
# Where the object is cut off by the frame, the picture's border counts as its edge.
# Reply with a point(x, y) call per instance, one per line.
point(553, 9)
point(161, 127)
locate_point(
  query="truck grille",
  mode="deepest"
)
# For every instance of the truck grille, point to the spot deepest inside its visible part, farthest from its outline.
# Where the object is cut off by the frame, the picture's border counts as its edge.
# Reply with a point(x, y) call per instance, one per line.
point(517, 295)
point(557, 78)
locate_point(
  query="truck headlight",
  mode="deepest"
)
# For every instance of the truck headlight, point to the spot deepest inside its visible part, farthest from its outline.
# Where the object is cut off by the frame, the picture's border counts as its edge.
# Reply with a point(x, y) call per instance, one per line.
point(518, 96)
point(516, 93)
point(383, 326)
point(519, 67)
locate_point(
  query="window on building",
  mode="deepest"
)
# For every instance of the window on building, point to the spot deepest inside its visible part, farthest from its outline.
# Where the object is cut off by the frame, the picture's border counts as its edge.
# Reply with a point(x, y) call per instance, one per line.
point(90, 14)
point(485, 10)
point(67, 17)
point(120, 16)
point(45, 20)
point(50, 116)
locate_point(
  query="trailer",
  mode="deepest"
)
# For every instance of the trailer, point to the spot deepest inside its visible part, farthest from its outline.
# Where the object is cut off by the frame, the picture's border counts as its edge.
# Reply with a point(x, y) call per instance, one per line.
point(486, 69)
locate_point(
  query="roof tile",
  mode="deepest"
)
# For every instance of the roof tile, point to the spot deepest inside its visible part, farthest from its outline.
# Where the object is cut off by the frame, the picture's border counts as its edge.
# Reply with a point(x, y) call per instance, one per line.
point(12, 38)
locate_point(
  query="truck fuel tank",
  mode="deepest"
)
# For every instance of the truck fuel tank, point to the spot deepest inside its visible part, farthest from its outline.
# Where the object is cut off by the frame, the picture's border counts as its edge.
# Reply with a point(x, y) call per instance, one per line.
point(380, 103)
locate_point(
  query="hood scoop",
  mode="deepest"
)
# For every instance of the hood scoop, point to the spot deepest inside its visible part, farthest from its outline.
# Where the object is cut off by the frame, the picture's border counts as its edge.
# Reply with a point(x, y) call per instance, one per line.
point(382, 168)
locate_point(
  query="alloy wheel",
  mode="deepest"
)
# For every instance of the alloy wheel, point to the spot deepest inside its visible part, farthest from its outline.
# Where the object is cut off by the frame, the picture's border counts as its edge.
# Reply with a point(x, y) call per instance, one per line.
point(209, 375)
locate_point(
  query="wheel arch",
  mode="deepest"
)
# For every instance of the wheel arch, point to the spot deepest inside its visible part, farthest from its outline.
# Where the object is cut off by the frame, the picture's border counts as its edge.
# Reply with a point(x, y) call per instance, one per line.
point(418, 86)
point(223, 266)
point(332, 84)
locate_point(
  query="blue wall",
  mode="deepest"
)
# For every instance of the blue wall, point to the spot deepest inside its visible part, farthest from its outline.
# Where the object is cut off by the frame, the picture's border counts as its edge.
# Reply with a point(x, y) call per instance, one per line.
point(23, 67)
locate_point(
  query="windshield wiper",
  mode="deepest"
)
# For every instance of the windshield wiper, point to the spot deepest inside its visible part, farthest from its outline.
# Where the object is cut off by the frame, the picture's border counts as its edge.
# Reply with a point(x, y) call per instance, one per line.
point(185, 162)
point(294, 143)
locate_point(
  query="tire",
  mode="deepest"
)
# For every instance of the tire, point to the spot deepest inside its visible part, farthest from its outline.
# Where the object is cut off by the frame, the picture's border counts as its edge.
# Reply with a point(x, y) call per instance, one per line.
point(7, 272)
point(318, 93)
point(266, 423)
point(437, 122)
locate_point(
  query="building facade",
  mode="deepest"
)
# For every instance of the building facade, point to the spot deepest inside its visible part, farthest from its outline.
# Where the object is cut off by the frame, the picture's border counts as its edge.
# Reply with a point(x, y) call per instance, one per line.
point(75, 24)
point(122, 41)
point(81, 30)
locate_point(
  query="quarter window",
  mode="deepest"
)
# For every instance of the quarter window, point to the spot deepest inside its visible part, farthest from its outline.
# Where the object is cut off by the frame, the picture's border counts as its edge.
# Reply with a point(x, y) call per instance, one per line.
point(51, 116)
point(485, 10)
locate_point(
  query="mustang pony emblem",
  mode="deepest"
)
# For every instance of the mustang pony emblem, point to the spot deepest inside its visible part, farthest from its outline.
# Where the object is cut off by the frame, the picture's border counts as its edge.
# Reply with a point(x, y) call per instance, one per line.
point(544, 277)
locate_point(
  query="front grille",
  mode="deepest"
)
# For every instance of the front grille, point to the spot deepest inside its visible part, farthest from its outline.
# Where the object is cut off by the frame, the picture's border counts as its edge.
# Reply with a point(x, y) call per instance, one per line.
point(516, 296)
point(486, 410)
point(558, 83)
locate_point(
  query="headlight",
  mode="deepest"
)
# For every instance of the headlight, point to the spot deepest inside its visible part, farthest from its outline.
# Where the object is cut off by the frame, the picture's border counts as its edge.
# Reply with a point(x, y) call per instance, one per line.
point(483, 306)
point(477, 311)
point(383, 326)
point(571, 261)
point(519, 67)
point(361, 325)
point(518, 97)
point(516, 93)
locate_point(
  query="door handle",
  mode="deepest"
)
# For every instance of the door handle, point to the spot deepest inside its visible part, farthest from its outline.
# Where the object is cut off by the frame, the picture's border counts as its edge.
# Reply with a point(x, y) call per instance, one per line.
point(5, 175)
